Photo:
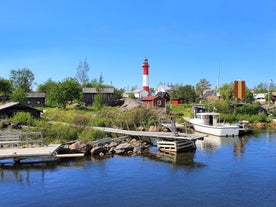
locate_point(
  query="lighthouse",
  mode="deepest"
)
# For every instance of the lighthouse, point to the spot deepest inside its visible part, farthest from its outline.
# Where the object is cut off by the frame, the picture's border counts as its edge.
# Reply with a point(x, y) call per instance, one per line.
point(146, 75)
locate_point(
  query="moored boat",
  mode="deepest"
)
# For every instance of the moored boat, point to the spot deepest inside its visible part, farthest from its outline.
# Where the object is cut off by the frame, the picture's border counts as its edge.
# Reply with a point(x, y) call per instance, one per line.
point(244, 127)
point(208, 122)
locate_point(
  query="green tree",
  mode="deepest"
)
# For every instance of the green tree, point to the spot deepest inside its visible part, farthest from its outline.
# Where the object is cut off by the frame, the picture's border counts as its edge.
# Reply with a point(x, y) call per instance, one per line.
point(174, 91)
point(68, 90)
point(19, 95)
point(187, 92)
point(5, 86)
point(22, 78)
point(226, 91)
point(50, 88)
point(98, 102)
point(101, 81)
point(202, 86)
point(117, 96)
point(249, 98)
point(261, 88)
point(82, 72)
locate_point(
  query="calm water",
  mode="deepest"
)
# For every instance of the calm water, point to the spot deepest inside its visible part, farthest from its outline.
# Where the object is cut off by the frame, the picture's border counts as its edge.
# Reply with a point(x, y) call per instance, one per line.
point(222, 172)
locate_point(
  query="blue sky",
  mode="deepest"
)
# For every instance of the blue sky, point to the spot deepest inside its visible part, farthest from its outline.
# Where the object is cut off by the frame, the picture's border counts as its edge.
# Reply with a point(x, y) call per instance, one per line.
point(184, 41)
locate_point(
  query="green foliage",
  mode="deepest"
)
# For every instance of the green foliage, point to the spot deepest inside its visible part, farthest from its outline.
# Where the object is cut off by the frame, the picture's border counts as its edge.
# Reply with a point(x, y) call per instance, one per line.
point(91, 135)
point(24, 118)
point(19, 96)
point(114, 117)
point(181, 110)
point(60, 132)
point(187, 92)
point(250, 109)
point(50, 88)
point(249, 98)
point(68, 90)
point(98, 102)
point(5, 87)
point(80, 120)
point(202, 86)
point(227, 91)
point(22, 78)
point(59, 94)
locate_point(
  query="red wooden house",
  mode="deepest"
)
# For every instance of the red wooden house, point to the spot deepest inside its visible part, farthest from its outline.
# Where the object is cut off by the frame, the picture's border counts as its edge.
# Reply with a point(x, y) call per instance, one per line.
point(156, 101)
point(176, 101)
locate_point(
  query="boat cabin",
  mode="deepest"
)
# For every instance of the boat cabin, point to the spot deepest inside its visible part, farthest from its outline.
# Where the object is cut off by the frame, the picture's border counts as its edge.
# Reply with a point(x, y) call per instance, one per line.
point(208, 118)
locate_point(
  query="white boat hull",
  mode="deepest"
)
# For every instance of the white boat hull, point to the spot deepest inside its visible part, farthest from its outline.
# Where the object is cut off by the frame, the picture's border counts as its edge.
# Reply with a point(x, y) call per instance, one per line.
point(219, 130)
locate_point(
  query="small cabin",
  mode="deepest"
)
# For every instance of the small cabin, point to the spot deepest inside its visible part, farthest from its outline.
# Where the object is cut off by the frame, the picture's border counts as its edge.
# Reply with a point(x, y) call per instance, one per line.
point(90, 93)
point(176, 101)
point(155, 101)
point(9, 109)
point(36, 99)
point(165, 95)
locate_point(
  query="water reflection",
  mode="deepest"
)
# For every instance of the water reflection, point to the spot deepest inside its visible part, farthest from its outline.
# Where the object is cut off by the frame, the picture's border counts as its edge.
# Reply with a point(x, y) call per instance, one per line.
point(25, 172)
point(33, 170)
point(213, 143)
point(181, 159)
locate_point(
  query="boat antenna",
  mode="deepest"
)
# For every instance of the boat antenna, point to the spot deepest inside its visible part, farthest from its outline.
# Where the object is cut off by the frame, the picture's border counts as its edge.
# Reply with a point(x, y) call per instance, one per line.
point(218, 76)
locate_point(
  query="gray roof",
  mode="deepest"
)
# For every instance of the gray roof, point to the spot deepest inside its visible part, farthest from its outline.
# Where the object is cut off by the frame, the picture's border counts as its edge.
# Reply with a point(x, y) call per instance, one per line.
point(11, 104)
point(36, 95)
point(98, 90)
point(7, 105)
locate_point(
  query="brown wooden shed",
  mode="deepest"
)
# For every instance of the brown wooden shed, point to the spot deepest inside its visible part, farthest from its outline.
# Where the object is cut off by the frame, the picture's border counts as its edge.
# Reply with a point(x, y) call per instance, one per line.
point(90, 93)
point(36, 99)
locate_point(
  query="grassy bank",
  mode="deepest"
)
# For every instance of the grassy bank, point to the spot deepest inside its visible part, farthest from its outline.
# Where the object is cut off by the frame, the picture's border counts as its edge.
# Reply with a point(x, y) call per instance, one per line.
point(63, 125)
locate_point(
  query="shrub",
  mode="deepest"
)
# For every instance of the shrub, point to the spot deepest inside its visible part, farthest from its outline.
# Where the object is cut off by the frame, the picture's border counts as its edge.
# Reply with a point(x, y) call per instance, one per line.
point(91, 135)
point(61, 132)
point(24, 118)
point(80, 120)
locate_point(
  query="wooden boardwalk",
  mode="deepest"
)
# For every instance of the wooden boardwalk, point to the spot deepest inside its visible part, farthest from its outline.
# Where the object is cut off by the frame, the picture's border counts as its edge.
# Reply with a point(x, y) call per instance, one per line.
point(167, 135)
point(30, 152)
point(166, 141)
point(19, 146)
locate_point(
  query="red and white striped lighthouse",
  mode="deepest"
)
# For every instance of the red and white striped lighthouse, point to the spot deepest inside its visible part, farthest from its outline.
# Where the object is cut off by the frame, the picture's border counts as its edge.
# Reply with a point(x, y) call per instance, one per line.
point(146, 75)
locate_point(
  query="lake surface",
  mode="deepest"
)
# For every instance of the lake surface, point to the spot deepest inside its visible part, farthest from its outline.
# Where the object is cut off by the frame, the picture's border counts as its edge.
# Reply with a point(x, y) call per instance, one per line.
point(222, 172)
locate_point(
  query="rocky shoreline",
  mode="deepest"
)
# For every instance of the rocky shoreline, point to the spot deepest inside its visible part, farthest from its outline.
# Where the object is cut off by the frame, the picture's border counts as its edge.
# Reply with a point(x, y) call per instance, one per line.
point(107, 147)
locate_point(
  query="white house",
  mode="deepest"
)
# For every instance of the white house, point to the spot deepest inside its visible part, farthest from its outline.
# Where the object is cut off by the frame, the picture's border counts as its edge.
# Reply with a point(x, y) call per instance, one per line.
point(260, 97)
point(162, 88)
point(140, 93)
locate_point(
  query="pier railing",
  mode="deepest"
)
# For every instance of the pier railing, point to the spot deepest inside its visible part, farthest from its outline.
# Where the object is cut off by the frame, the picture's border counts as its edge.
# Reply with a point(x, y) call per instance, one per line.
point(22, 139)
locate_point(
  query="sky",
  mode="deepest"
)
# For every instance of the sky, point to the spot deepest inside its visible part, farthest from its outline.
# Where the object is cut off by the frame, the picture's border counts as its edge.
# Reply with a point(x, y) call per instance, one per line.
point(185, 41)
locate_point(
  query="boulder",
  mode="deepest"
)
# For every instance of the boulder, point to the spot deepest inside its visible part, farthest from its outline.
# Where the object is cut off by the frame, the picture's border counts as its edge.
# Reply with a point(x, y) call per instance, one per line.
point(153, 129)
point(122, 148)
point(260, 125)
point(130, 104)
point(79, 146)
point(98, 150)
point(112, 144)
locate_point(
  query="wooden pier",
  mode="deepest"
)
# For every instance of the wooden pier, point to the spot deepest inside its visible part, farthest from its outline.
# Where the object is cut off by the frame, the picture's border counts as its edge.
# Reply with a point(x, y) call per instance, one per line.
point(166, 141)
point(168, 135)
point(19, 146)
point(29, 152)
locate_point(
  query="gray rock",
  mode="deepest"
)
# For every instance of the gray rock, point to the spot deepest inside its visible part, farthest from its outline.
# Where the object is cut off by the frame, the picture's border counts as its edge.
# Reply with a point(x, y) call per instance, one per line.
point(97, 150)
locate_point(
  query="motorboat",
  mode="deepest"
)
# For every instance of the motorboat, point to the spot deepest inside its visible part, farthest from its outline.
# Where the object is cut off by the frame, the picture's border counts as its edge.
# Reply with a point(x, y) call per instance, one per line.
point(209, 123)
